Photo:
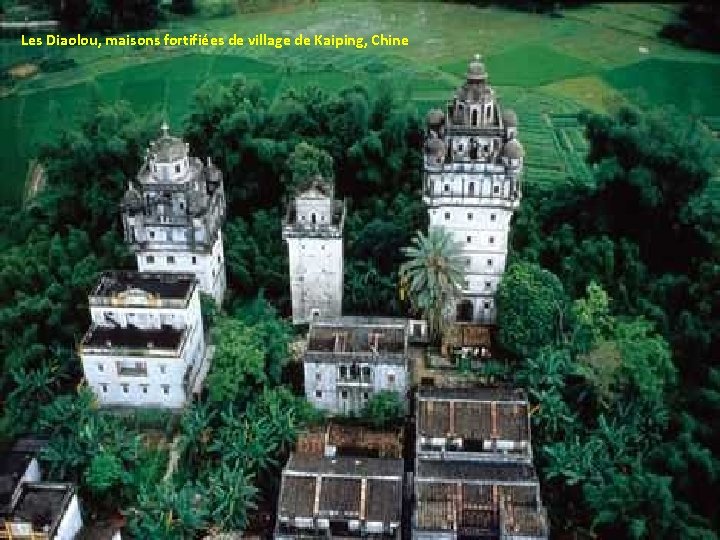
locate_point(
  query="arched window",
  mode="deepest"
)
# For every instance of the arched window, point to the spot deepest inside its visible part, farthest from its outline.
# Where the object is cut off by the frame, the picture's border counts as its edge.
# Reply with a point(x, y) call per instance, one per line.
point(313, 218)
point(471, 189)
point(474, 117)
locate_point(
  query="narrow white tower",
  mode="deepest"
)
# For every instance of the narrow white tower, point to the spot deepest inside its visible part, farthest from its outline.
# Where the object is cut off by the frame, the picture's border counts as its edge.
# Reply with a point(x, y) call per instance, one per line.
point(472, 168)
point(173, 213)
point(313, 230)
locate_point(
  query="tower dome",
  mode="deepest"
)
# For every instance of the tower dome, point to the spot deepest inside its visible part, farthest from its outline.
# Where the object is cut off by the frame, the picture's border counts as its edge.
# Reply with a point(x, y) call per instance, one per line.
point(476, 70)
point(513, 150)
point(132, 200)
point(435, 147)
point(168, 149)
point(435, 117)
point(509, 118)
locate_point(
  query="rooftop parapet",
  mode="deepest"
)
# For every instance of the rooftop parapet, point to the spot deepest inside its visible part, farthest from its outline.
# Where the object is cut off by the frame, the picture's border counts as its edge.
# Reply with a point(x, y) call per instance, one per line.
point(143, 289)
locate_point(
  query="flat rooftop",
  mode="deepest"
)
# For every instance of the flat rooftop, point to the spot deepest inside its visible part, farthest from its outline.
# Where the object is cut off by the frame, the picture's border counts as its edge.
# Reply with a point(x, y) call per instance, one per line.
point(130, 337)
point(475, 472)
point(342, 488)
point(139, 288)
point(358, 335)
point(43, 504)
point(12, 467)
point(482, 393)
point(481, 414)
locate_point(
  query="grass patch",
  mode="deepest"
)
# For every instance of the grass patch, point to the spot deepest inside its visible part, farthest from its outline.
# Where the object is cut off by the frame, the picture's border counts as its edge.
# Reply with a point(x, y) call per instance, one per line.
point(591, 92)
point(527, 66)
point(690, 86)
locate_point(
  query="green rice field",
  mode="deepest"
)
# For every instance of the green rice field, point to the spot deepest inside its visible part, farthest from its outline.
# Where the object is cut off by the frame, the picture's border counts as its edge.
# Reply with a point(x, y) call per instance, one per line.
point(546, 68)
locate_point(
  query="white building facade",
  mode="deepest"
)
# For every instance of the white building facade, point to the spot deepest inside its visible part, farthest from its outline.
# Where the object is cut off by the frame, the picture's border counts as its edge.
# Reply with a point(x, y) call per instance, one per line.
point(313, 230)
point(472, 186)
point(350, 359)
point(146, 344)
point(173, 215)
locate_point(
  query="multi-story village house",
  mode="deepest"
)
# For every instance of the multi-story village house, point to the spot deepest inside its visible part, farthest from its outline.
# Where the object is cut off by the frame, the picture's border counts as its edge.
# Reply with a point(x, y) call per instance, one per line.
point(349, 359)
point(146, 343)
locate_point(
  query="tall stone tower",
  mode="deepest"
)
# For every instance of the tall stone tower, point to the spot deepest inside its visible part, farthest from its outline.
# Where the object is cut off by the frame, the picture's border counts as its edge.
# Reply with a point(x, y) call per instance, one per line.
point(472, 169)
point(313, 230)
point(173, 213)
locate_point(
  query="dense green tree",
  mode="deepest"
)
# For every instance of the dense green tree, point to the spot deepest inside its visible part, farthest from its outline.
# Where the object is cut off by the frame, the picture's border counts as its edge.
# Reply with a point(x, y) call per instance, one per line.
point(532, 308)
point(238, 366)
point(433, 276)
point(306, 162)
point(697, 26)
point(384, 408)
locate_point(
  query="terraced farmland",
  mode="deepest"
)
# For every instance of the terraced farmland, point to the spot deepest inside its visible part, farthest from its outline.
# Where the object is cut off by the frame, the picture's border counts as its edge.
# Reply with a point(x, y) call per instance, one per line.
point(547, 69)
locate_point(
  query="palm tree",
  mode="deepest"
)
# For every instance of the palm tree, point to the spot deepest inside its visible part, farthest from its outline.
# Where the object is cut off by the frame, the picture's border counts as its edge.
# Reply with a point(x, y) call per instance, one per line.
point(432, 276)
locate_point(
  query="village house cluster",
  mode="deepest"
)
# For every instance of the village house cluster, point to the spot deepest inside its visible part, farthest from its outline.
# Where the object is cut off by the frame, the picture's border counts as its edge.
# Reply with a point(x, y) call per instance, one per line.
point(461, 467)
point(469, 473)
point(146, 345)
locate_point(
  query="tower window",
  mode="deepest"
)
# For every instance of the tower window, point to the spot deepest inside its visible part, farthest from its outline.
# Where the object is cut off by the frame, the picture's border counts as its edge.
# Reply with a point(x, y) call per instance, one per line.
point(313, 218)
point(447, 216)
point(150, 259)
point(471, 188)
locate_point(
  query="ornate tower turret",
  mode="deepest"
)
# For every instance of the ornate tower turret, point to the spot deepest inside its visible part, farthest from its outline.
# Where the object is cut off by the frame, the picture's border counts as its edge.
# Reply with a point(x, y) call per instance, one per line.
point(472, 168)
point(313, 230)
point(173, 213)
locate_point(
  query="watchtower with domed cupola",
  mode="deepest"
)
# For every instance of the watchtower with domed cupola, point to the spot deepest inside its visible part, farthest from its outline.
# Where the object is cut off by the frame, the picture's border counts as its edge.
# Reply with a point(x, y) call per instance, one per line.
point(173, 213)
point(472, 185)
